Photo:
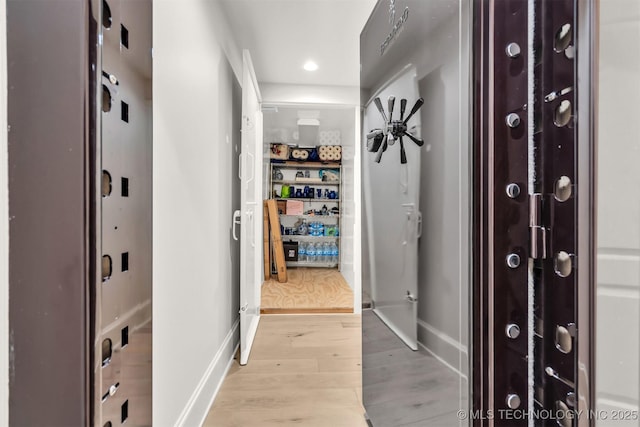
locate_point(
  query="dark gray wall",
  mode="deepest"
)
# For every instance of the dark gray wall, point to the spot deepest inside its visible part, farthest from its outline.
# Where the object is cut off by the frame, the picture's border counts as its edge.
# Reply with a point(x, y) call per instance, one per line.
point(48, 89)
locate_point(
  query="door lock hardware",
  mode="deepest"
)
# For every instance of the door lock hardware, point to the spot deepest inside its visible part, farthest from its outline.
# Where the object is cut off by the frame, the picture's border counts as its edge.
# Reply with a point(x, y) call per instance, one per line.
point(393, 130)
point(237, 219)
point(513, 260)
point(513, 190)
point(554, 374)
point(409, 297)
point(513, 120)
point(111, 77)
point(112, 390)
point(512, 330)
point(512, 50)
point(538, 232)
point(513, 401)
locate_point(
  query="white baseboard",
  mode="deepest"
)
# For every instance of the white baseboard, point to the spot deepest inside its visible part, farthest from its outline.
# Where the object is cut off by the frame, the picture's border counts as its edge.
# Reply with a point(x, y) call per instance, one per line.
point(203, 396)
point(443, 347)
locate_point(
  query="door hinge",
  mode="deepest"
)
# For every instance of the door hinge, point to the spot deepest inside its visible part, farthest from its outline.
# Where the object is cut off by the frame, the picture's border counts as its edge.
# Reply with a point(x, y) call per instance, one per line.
point(538, 232)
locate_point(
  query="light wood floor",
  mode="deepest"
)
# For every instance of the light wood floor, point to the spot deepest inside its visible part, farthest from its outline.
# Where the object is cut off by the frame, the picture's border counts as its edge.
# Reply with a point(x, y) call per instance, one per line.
point(308, 290)
point(304, 370)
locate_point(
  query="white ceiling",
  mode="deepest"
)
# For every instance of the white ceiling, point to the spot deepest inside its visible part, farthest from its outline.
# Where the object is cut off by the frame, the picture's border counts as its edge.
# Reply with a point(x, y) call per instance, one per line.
point(283, 34)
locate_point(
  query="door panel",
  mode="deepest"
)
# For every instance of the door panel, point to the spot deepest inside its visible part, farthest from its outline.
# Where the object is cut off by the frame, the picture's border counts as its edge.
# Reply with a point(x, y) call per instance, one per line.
point(251, 273)
point(391, 194)
point(414, 49)
point(618, 237)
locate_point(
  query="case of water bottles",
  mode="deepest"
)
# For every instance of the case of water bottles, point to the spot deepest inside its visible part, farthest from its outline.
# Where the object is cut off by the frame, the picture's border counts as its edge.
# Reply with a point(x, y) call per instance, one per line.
point(318, 252)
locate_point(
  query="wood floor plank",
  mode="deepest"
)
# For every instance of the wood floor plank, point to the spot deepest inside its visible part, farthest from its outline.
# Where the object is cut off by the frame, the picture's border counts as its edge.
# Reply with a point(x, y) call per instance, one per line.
point(262, 353)
point(288, 366)
point(307, 417)
point(341, 364)
point(313, 380)
point(303, 370)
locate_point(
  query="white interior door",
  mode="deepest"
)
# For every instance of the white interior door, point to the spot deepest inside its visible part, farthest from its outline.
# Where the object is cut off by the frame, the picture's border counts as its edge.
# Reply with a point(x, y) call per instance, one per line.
point(250, 214)
point(391, 194)
point(617, 339)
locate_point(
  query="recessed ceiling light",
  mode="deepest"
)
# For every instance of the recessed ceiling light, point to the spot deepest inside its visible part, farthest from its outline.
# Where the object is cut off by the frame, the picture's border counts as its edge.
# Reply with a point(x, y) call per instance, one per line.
point(310, 66)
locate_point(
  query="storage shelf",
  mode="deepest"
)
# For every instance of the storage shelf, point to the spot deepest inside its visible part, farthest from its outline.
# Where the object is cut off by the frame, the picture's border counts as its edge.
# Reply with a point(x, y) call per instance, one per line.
point(314, 217)
point(310, 200)
point(289, 170)
point(314, 165)
point(286, 237)
point(312, 264)
point(294, 182)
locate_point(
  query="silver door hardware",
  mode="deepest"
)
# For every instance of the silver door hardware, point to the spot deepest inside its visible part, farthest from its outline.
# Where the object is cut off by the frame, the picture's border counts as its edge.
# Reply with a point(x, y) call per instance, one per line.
point(538, 231)
point(237, 219)
point(554, 374)
point(513, 120)
point(244, 308)
point(513, 401)
point(112, 78)
point(513, 260)
point(112, 391)
point(513, 190)
point(513, 50)
point(381, 139)
point(409, 297)
point(512, 330)
point(556, 94)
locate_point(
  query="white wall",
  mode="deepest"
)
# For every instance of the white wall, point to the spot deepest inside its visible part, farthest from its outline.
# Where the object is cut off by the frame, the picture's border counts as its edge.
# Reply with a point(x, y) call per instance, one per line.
point(4, 225)
point(618, 285)
point(195, 191)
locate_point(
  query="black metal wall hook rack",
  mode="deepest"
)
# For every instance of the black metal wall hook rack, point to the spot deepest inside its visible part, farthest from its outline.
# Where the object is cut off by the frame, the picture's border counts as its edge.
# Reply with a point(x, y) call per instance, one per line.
point(378, 140)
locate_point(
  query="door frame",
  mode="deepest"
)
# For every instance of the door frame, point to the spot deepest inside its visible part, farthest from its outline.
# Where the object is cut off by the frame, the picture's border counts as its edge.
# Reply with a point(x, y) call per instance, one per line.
point(250, 310)
point(357, 247)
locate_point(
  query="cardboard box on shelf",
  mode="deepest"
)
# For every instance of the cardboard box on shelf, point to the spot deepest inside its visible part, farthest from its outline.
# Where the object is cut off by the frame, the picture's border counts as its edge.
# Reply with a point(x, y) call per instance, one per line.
point(295, 207)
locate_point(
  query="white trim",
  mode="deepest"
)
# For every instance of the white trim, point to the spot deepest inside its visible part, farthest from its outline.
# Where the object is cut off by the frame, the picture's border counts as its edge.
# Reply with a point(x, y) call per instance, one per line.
point(357, 232)
point(441, 360)
point(251, 334)
point(446, 339)
point(246, 56)
point(410, 342)
point(613, 402)
point(442, 336)
point(198, 405)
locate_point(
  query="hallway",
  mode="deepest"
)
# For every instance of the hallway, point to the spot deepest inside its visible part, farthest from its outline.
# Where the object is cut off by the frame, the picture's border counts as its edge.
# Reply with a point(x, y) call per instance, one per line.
point(303, 370)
